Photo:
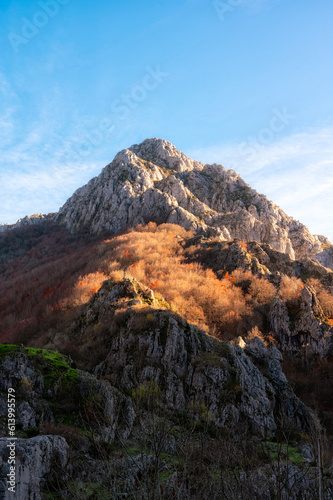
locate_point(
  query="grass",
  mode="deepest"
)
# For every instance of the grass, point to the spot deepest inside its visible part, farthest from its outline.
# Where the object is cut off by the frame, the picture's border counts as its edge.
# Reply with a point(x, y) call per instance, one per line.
point(54, 366)
point(6, 349)
point(162, 303)
point(274, 450)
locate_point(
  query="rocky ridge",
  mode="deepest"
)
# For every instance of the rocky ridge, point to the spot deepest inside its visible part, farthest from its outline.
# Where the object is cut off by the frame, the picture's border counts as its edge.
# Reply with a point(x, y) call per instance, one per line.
point(147, 365)
point(190, 368)
point(259, 258)
point(155, 181)
point(299, 327)
point(28, 220)
point(306, 330)
point(150, 355)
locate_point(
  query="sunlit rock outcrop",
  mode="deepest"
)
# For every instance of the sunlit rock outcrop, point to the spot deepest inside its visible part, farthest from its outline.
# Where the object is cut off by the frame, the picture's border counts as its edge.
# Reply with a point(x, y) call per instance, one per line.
point(155, 181)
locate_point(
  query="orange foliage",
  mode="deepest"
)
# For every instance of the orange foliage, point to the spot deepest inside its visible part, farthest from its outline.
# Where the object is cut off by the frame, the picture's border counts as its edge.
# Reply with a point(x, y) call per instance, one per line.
point(290, 288)
point(85, 287)
point(261, 290)
point(194, 292)
point(154, 285)
point(68, 273)
point(255, 332)
point(257, 289)
point(229, 278)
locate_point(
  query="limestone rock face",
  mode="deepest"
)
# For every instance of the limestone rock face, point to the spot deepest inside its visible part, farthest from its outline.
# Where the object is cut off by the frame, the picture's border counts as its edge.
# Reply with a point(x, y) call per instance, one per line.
point(325, 257)
point(194, 374)
point(259, 258)
point(188, 371)
point(27, 221)
point(36, 460)
point(44, 398)
point(270, 360)
point(17, 371)
point(40, 392)
point(165, 155)
point(155, 181)
point(304, 329)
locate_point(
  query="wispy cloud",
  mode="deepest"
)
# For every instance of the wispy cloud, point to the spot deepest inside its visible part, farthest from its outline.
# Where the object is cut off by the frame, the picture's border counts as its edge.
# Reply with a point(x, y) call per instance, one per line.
point(33, 175)
point(296, 172)
point(44, 160)
point(8, 104)
point(33, 178)
point(39, 189)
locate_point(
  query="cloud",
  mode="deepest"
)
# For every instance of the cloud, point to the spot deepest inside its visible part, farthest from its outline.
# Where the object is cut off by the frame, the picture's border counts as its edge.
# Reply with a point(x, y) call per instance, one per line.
point(6, 89)
point(33, 175)
point(39, 189)
point(8, 105)
point(296, 172)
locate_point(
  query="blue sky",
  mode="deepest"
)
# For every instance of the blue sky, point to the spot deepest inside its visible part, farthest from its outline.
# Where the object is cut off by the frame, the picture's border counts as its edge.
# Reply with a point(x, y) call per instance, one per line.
point(244, 83)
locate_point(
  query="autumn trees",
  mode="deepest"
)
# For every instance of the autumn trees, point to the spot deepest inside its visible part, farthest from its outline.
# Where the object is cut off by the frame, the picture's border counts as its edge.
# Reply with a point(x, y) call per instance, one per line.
point(44, 287)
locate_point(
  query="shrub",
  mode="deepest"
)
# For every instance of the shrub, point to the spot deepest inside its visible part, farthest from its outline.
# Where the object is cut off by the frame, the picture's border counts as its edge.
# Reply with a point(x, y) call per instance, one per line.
point(268, 338)
point(261, 290)
point(290, 288)
point(41, 300)
point(255, 332)
point(243, 279)
point(157, 260)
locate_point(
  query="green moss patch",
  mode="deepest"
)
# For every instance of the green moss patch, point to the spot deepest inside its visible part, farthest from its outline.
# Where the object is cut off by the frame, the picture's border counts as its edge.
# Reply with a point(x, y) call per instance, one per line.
point(54, 367)
point(6, 349)
point(283, 452)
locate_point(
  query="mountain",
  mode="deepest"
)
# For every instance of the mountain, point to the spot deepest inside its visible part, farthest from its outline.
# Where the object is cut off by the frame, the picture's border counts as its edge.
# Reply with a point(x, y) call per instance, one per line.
point(28, 220)
point(153, 181)
point(158, 387)
point(168, 334)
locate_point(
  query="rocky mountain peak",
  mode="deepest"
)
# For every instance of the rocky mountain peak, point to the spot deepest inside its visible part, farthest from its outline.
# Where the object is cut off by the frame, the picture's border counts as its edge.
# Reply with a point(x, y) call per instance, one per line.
point(164, 154)
point(156, 381)
point(154, 181)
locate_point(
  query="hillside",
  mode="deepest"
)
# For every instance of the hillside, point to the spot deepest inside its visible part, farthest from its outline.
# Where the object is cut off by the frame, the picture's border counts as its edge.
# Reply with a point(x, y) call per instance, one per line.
point(153, 181)
point(167, 318)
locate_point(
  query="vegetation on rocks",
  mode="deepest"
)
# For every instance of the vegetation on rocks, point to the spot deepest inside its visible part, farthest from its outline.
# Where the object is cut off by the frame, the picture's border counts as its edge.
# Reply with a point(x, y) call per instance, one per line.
point(168, 334)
